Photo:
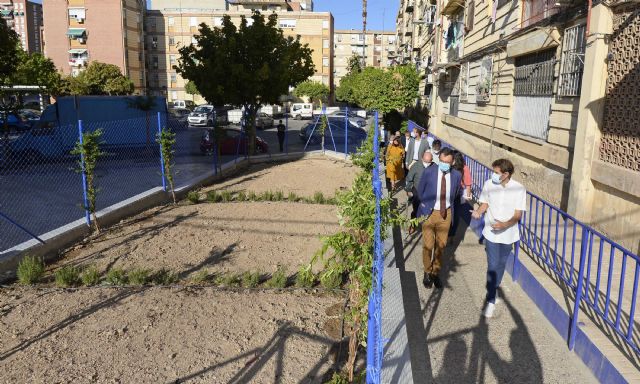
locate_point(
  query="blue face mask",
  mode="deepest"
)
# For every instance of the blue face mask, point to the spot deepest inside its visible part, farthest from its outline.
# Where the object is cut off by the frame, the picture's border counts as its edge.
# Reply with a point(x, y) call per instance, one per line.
point(444, 167)
point(495, 178)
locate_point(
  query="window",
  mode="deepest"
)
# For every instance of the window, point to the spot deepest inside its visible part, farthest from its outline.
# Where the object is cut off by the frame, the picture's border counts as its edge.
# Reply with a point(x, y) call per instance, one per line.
point(534, 74)
point(325, 24)
point(172, 60)
point(339, 38)
point(288, 23)
point(174, 95)
point(485, 80)
point(573, 46)
point(77, 14)
point(537, 10)
point(171, 21)
point(325, 43)
point(471, 14)
point(502, 3)
point(193, 21)
point(172, 41)
point(174, 78)
point(325, 61)
point(154, 43)
point(154, 62)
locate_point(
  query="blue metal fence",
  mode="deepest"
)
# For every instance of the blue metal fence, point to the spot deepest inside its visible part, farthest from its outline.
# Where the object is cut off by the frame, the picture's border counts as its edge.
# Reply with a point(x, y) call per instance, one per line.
point(42, 188)
point(602, 275)
point(375, 345)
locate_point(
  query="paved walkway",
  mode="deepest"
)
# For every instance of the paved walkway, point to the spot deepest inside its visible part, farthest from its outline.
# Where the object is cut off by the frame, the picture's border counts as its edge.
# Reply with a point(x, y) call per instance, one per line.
point(451, 342)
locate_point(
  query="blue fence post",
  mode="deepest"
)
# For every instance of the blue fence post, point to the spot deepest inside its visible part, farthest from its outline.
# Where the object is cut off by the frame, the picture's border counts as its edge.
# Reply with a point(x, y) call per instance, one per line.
point(87, 214)
point(576, 306)
point(286, 128)
point(346, 131)
point(164, 177)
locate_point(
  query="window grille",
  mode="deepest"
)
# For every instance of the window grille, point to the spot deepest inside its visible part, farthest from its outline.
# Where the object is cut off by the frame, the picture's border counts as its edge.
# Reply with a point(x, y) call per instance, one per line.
point(464, 82)
point(572, 66)
point(534, 74)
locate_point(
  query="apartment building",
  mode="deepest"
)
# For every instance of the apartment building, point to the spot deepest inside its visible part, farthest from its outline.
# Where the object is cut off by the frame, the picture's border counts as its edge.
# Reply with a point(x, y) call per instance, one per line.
point(536, 82)
point(109, 31)
point(377, 47)
point(270, 5)
point(169, 27)
point(25, 18)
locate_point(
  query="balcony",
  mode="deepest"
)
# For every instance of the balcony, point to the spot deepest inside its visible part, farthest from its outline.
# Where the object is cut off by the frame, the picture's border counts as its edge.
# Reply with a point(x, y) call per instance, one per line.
point(453, 6)
point(538, 10)
point(78, 57)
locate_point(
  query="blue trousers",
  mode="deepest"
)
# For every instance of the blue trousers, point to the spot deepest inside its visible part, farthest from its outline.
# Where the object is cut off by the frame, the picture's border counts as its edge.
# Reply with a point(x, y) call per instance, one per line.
point(497, 255)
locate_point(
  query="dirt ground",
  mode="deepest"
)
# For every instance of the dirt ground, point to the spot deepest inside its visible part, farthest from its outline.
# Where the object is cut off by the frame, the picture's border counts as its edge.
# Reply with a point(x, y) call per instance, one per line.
point(304, 177)
point(165, 335)
point(222, 237)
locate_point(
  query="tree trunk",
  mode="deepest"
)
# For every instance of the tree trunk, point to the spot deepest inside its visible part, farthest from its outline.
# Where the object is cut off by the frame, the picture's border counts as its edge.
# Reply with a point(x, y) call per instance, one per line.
point(250, 127)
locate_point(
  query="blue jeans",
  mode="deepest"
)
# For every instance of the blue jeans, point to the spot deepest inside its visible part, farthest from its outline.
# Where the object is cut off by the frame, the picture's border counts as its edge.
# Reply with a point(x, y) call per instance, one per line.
point(497, 255)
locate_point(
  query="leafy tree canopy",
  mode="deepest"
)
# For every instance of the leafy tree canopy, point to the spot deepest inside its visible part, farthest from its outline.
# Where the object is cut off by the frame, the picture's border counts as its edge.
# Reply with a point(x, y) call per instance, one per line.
point(248, 65)
point(36, 69)
point(191, 88)
point(98, 79)
point(8, 52)
point(354, 64)
point(314, 90)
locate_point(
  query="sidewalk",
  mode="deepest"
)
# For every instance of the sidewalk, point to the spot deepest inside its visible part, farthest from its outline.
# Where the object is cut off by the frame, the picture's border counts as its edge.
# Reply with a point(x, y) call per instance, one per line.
point(449, 339)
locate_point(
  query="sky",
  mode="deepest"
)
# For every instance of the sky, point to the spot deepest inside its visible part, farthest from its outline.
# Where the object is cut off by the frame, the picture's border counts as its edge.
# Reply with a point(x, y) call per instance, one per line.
point(347, 14)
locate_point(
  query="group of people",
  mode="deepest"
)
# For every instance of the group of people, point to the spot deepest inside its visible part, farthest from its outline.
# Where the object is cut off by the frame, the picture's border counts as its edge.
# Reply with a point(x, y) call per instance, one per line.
point(438, 185)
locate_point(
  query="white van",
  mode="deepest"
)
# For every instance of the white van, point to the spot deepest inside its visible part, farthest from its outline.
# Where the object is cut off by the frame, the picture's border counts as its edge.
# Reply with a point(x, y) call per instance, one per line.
point(182, 104)
point(301, 111)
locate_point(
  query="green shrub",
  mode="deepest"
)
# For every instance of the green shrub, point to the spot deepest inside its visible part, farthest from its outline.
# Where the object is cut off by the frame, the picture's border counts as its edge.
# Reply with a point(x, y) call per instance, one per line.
point(278, 196)
point(30, 270)
point(241, 196)
point(90, 276)
point(252, 196)
point(116, 276)
point(193, 197)
point(213, 197)
point(318, 198)
point(331, 201)
point(250, 279)
point(164, 277)
point(331, 279)
point(229, 280)
point(139, 276)
point(201, 277)
point(67, 276)
point(278, 278)
point(267, 196)
point(308, 200)
point(338, 378)
point(226, 196)
point(305, 277)
point(292, 197)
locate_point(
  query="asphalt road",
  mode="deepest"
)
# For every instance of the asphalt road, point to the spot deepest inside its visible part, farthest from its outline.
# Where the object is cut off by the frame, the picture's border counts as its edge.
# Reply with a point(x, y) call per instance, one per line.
point(48, 194)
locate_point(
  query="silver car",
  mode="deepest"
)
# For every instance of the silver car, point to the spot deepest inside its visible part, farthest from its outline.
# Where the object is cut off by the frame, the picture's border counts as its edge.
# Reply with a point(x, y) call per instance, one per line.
point(354, 119)
point(263, 121)
point(202, 116)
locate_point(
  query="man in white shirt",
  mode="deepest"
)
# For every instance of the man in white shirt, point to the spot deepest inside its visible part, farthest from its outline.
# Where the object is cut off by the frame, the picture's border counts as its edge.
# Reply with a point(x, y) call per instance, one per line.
point(502, 202)
point(415, 149)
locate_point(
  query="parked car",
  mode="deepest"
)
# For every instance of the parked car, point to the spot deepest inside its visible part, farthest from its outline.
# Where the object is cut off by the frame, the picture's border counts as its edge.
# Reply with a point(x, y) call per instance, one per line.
point(30, 114)
point(231, 138)
point(16, 123)
point(353, 134)
point(301, 111)
point(182, 104)
point(263, 121)
point(272, 110)
point(207, 116)
point(178, 117)
point(353, 118)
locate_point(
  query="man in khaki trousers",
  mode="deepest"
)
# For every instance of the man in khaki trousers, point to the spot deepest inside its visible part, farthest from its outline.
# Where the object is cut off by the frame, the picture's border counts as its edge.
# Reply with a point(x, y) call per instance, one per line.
point(438, 188)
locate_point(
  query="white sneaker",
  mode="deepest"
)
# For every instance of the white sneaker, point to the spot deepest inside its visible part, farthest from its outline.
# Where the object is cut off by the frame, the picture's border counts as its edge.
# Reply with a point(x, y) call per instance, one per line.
point(488, 310)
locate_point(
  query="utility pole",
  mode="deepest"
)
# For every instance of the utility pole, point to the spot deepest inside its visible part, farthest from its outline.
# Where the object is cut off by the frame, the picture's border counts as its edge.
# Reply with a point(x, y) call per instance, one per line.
point(364, 33)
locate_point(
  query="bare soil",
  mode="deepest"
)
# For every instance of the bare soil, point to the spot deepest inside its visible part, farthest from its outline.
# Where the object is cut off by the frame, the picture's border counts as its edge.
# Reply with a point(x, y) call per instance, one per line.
point(165, 335)
point(304, 177)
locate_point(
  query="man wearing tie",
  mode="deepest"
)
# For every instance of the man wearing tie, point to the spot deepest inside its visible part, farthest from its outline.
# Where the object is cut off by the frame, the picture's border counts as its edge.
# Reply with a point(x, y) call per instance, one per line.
point(438, 188)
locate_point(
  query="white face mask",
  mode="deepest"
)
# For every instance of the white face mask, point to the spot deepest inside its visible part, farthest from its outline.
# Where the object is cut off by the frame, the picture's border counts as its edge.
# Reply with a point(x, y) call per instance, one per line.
point(495, 178)
point(426, 164)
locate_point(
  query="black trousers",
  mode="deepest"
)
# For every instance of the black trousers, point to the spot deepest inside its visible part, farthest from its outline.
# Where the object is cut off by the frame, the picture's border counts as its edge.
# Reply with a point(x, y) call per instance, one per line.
point(281, 141)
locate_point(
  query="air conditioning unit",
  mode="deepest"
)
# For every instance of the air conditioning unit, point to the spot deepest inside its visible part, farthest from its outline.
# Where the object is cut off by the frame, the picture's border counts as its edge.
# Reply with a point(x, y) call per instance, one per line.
point(81, 40)
point(154, 44)
point(80, 20)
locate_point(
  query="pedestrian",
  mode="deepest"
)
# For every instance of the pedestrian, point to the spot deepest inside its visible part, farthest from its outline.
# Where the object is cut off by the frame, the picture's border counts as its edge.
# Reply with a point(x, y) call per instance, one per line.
point(281, 135)
point(435, 150)
point(460, 166)
point(439, 187)
point(394, 155)
point(411, 185)
point(502, 202)
point(416, 148)
point(408, 135)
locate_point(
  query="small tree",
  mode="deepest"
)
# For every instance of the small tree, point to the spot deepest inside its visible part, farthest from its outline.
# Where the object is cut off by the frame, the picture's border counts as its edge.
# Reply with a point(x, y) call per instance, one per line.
point(191, 89)
point(99, 79)
point(167, 141)
point(89, 152)
point(247, 65)
point(315, 91)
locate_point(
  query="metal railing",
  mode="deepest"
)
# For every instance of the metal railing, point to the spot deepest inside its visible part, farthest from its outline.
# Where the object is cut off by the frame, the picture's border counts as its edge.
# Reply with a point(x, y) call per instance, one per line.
point(602, 275)
point(375, 345)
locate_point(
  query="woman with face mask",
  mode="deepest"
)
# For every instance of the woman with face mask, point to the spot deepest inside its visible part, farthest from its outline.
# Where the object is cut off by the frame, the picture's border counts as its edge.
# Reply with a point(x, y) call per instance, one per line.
point(394, 157)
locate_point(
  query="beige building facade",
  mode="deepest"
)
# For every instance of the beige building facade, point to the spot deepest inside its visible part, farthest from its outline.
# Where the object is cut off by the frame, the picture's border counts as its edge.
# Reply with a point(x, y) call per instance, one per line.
point(375, 45)
point(109, 31)
point(531, 81)
point(25, 18)
point(169, 27)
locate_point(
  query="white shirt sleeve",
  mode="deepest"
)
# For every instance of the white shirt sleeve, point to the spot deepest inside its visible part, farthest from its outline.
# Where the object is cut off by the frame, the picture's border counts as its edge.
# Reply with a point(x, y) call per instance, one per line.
point(522, 200)
point(484, 195)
